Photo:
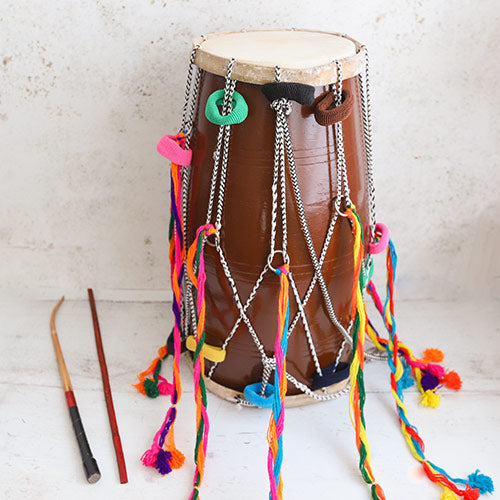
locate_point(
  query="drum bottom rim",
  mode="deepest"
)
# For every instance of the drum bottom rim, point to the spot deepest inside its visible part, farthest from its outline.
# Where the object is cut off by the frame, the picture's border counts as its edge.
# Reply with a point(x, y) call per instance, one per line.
point(292, 401)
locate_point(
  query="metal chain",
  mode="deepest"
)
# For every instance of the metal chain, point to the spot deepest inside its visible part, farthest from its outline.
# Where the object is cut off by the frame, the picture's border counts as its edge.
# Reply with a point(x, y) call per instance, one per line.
point(283, 145)
point(340, 146)
point(284, 243)
point(278, 142)
point(223, 142)
point(307, 330)
point(269, 366)
point(226, 109)
point(339, 137)
point(228, 98)
point(312, 394)
point(307, 235)
point(364, 91)
point(187, 91)
point(223, 173)
point(283, 108)
point(252, 295)
point(322, 257)
point(190, 99)
point(237, 299)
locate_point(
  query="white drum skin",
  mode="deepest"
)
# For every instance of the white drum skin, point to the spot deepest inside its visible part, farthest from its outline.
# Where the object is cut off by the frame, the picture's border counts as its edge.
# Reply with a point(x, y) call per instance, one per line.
point(303, 56)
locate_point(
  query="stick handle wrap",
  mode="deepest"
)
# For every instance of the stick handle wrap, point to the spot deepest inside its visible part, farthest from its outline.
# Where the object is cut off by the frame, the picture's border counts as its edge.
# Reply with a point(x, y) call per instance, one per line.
point(89, 463)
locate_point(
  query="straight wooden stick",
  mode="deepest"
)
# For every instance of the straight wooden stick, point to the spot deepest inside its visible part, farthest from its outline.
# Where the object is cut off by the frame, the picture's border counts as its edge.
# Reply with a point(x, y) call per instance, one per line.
point(120, 459)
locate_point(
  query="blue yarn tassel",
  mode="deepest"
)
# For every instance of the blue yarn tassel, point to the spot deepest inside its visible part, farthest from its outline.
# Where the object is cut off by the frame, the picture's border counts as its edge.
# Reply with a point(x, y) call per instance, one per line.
point(483, 483)
point(480, 481)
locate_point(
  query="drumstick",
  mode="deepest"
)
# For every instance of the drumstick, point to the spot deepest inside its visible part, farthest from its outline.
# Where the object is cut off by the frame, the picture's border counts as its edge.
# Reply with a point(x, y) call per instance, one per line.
point(122, 470)
point(89, 463)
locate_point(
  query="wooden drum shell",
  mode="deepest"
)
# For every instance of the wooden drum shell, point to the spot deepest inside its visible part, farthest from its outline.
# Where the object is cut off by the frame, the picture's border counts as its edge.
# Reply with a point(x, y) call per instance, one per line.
point(246, 228)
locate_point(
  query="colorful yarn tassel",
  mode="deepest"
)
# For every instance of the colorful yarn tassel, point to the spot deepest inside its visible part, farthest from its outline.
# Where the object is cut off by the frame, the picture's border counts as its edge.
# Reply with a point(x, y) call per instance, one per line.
point(433, 356)
point(357, 393)
point(476, 483)
point(163, 454)
point(277, 419)
point(452, 380)
point(153, 387)
point(196, 261)
point(424, 370)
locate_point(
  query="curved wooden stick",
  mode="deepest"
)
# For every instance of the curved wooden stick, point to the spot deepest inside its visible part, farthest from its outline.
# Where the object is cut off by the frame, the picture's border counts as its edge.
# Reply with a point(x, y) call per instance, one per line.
point(89, 464)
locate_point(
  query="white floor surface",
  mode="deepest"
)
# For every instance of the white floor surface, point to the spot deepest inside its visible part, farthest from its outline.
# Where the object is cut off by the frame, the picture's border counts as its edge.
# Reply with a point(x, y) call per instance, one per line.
point(39, 457)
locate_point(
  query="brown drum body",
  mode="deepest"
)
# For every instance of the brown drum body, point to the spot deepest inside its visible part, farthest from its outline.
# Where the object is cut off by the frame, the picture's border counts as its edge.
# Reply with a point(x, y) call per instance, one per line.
point(246, 228)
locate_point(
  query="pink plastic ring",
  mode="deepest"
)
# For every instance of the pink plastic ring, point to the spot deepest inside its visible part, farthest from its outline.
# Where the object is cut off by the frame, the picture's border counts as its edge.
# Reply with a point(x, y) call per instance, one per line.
point(170, 149)
point(382, 235)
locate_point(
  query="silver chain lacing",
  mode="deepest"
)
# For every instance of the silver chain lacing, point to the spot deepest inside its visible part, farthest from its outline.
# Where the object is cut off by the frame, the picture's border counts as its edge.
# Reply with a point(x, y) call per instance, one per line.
point(364, 91)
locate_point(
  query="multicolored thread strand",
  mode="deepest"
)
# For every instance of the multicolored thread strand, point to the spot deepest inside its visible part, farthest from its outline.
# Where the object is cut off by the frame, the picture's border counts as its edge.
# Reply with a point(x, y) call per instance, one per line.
point(429, 397)
point(163, 454)
point(196, 260)
point(476, 483)
point(153, 387)
point(277, 419)
point(357, 393)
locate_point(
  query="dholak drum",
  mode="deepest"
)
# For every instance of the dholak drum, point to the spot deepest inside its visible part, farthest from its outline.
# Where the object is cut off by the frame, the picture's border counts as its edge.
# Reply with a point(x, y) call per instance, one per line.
point(271, 237)
point(232, 182)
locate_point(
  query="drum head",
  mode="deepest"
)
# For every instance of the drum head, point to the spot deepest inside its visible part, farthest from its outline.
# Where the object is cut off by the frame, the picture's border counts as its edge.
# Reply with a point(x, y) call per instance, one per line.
point(303, 56)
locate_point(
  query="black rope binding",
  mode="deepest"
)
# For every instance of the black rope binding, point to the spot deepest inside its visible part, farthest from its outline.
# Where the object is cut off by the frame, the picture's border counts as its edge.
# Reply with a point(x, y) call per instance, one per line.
point(331, 375)
point(298, 92)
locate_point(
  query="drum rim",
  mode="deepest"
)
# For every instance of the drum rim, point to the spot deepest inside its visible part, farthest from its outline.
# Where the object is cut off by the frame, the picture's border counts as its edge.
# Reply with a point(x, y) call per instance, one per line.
point(324, 74)
point(291, 401)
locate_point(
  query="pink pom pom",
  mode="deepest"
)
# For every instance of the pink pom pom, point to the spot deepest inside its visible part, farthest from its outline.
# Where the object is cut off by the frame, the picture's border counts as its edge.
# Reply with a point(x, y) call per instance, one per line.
point(436, 370)
point(165, 387)
point(149, 457)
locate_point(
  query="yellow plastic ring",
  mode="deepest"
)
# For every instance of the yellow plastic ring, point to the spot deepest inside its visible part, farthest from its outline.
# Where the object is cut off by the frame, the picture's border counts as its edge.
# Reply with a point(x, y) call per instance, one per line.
point(211, 352)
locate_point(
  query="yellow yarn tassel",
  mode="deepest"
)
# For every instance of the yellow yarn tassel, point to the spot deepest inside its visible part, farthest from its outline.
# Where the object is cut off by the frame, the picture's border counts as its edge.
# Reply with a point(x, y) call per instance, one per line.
point(448, 495)
point(430, 399)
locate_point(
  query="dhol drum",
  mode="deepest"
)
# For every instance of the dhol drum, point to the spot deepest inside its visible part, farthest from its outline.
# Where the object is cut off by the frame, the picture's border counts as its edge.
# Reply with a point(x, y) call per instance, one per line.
point(235, 189)
point(271, 240)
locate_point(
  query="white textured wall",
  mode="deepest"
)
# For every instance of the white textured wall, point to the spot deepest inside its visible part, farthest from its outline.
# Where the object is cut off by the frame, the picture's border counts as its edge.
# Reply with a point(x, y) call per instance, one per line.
point(88, 87)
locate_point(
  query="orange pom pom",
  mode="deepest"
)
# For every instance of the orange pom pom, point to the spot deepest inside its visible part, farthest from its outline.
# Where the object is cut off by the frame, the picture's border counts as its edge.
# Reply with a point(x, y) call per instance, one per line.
point(433, 356)
point(452, 380)
point(140, 387)
point(177, 460)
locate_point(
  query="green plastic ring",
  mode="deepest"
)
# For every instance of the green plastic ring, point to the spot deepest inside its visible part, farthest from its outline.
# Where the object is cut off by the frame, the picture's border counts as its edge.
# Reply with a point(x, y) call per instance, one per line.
point(237, 115)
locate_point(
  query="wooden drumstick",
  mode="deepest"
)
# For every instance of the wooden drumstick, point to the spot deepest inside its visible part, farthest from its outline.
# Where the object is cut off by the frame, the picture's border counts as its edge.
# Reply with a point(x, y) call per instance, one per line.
point(89, 463)
point(122, 469)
